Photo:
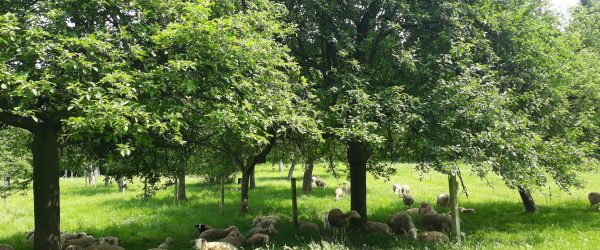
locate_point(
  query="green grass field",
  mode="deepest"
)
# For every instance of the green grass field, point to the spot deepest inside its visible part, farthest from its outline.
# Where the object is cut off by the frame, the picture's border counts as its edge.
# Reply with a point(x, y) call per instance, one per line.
point(564, 221)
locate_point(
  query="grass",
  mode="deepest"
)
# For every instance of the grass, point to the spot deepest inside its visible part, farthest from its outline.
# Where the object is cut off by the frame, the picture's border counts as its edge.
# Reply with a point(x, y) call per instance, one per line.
point(564, 221)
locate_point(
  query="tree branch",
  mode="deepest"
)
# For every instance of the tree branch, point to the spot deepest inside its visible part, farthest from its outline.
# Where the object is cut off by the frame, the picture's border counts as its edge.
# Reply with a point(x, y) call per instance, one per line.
point(17, 121)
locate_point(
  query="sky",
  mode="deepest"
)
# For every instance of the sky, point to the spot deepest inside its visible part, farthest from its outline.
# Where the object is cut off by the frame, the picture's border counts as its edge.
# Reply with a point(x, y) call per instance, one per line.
point(562, 6)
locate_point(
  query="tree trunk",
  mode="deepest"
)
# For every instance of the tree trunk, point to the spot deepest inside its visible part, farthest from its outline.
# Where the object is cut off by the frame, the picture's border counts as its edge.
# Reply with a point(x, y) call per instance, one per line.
point(280, 166)
point(307, 179)
point(527, 199)
point(252, 180)
point(291, 172)
point(358, 154)
point(181, 195)
point(106, 180)
point(244, 191)
point(46, 200)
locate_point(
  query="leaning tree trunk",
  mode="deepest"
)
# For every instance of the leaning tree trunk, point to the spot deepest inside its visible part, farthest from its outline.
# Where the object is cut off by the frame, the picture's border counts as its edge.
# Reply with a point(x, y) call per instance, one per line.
point(244, 190)
point(181, 194)
point(46, 200)
point(292, 167)
point(307, 179)
point(358, 154)
point(527, 199)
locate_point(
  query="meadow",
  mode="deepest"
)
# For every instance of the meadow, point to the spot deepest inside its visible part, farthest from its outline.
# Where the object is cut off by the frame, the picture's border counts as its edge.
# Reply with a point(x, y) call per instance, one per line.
point(563, 222)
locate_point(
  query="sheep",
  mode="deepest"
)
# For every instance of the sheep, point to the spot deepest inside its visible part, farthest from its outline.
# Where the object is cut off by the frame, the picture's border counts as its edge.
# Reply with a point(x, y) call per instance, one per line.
point(29, 235)
point(433, 236)
point(6, 247)
point(405, 189)
point(340, 220)
point(320, 183)
point(201, 228)
point(346, 189)
point(83, 241)
point(234, 238)
point(594, 198)
point(68, 236)
point(408, 200)
point(396, 188)
point(314, 179)
point(258, 239)
point(463, 210)
point(426, 208)
point(271, 231)
point(400, 189)
point(437, 222)
point(164, 245)
point(413, 211)
point(267, 222)
point(104, 246)
point(258, 219)
point(325, 221)
point(378, 227)
point(202, 244)
point(401, 223)
point(217, 234)
point(74, 247)
point(339, 193)
point(308, 226)
point(443, 200)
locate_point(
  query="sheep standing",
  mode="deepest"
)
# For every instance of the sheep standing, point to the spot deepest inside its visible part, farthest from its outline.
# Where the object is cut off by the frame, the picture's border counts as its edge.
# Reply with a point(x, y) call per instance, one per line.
point(320, 183)
point(433, 236)
point(378, 227)
point(339, 193)
point(340, 220)
point(443, 200)
point(400, 189)
point(202, 244)
point(401, 223)
point(408, 200)
point(308, 226)
point(217, 234)
point(6, 247)
point(594, 198)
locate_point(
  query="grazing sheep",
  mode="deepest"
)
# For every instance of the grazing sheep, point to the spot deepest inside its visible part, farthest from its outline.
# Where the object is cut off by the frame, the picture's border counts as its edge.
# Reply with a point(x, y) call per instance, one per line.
point(6, 247)
point(396, 188)
point(201, 228)
point(339, 193)
point(443, 200)
point(314, 179)
point(202, 244)
point(426, 208)
point(346, 189)
point(405, 189)
point(271, 231)
point(378, 227)
point(83, 241)
point(594, 198)
point(267, 222)
point(234, 238)
point(340, 220)
point(437, 222)
point(258, 219)
point(400, 189)
point(401, 223)
point(217, 234)
point(308, 226)
point(325, 221)
point(463, 210)
point(408, 200)
point(258, 239)
point(320, 183)
point(433, 236)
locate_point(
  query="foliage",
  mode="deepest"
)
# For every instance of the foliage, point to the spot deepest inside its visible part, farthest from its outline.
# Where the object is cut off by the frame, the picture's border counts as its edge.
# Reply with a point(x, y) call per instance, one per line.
point(15, 160)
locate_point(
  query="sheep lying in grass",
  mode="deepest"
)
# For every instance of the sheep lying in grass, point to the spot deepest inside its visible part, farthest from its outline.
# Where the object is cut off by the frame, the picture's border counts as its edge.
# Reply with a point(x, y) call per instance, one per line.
point(104, 246)
point(413, 211)
point(6, 247)
point(433, 236)
point(443, 200)
point(308, 226)
point(402, 224)
point(378, 227)
point(271, 231)
point(268, 217)
point(201, 228)
point(594, 198)
point(202, 244)
point(164, 245)
point(463, 210)
point(217, 234)
point(437, 222)
point(83, 241)
point(267, 223)
point(234, 238)
point(258, 240)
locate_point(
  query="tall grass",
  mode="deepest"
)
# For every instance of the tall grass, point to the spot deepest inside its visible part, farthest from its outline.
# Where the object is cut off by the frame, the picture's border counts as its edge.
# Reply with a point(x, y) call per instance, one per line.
point(563, 222)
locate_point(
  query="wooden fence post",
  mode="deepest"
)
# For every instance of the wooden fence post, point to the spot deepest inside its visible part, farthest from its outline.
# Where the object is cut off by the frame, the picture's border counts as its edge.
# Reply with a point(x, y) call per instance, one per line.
point(294, 203)
point(5, 194)
point(453, 187)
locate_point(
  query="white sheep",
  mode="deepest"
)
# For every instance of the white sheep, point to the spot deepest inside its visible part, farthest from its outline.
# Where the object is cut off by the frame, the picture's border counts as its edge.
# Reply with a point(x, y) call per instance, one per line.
point(202, 244)
point(339, 193)
point(443, 200)
point(83, 241)
point(164, 245)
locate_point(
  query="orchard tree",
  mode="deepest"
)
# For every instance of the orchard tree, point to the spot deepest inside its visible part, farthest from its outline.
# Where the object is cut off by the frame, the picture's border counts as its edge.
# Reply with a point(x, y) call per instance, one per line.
point(15, 160)
point(66, 67)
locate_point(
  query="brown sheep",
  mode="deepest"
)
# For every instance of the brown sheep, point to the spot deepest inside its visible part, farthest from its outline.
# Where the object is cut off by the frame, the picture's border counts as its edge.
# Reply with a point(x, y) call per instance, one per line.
point(378, 227)
point(258, 219)
point(594, 198)
point(271, 231)
point(84, 241)
point(217, 234)
point(267, 223)
point(426, 208)
point(258, 239)
point(408, 200)
point(437, 222)
point(6, 247)
point(401, 223)
point(308, 226)
point(433, 236)
point(443, 200)
point(339, 220)
point(234, 238)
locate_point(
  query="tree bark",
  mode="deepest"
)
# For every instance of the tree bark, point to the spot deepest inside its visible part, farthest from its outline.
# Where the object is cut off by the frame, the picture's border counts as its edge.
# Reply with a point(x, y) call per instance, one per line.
point(358, 154)
point(244, 191)
point(181, 194)
point(307, 179)
point(106, 180)
point(252, 179)
point(527, 199)
point(280, 166)
point(46, 198)
point(292, 167)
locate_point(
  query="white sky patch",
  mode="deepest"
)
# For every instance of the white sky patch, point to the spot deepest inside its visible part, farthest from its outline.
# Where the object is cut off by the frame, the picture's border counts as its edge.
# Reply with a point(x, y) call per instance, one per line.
point(562, 7)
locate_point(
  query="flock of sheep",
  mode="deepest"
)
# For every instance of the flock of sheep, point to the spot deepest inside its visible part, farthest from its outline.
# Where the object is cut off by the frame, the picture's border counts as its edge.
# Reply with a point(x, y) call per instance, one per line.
point(398, 224)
